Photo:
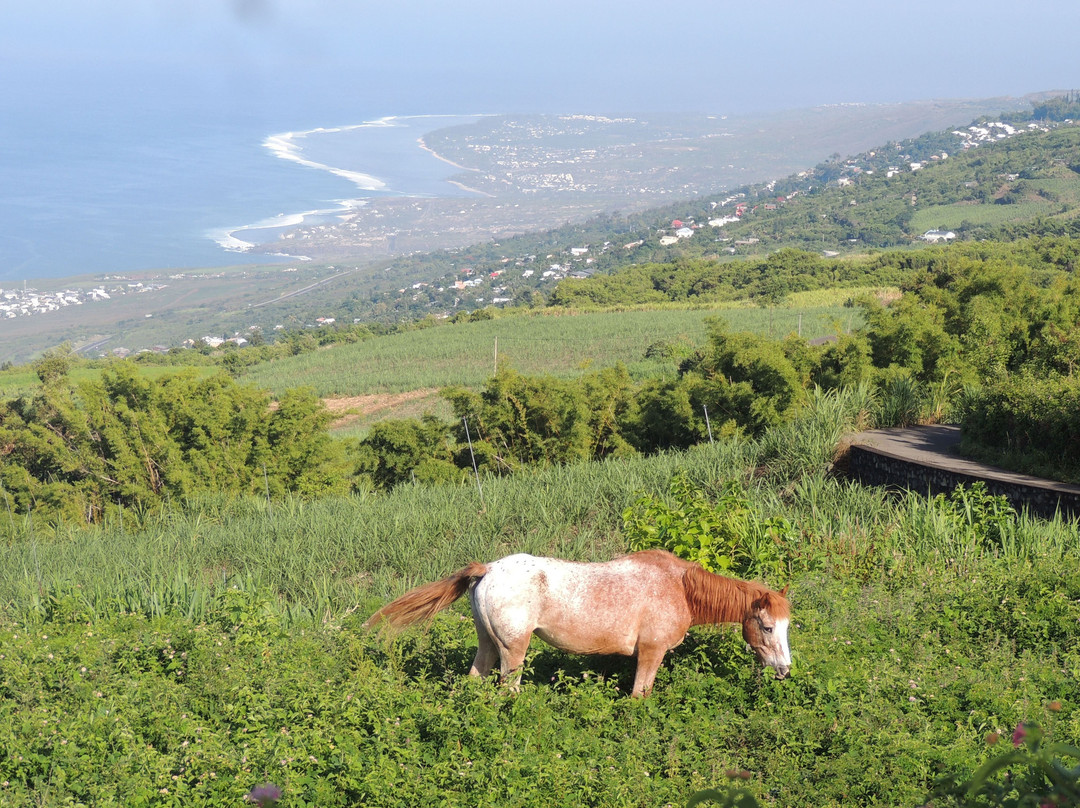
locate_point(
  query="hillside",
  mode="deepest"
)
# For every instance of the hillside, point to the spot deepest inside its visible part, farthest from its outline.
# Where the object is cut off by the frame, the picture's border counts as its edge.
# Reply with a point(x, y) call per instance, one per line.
point(978, 182)
point(192, 655)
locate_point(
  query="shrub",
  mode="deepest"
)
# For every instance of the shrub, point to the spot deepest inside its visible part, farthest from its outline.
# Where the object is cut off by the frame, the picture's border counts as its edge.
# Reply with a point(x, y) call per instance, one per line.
point(727, 535)
point(126, 441)
point(1032, 773)
point(1024, 412)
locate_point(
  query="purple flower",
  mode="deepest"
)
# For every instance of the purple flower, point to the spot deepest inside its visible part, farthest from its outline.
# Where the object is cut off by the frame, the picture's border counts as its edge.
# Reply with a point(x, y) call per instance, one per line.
point(1018, 735)
point(266, 794)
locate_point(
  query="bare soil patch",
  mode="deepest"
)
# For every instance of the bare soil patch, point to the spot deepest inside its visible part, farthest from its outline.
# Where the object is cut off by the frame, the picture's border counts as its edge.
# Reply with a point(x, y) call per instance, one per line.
point(350, 409)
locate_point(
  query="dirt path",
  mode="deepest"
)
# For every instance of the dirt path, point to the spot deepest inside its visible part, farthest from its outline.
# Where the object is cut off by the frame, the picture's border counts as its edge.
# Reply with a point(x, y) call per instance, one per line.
point(349, 409)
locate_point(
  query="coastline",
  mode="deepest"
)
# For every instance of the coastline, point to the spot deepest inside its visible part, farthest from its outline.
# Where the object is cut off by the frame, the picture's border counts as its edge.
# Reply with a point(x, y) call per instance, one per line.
point(227, 239)
point(423, 145)
point(290, 146)
point(283, 145)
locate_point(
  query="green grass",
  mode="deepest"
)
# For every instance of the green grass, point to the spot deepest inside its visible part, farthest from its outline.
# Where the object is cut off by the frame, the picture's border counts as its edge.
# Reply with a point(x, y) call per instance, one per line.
point(22, 380)
point(17, 381)
point(947, 217)
point(183, 657)
point(548, 342)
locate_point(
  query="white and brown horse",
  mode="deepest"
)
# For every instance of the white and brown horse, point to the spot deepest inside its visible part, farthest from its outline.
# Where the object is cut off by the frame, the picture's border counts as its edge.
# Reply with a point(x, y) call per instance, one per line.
point(638, 605)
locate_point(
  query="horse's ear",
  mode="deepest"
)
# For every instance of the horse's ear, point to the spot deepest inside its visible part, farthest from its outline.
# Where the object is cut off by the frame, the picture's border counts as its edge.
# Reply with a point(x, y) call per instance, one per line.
point(783, 592)
point(764, 602)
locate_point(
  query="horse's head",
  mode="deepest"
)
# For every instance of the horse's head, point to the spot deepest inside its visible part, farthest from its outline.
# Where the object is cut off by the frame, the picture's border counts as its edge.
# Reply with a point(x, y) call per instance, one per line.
point(765, 631)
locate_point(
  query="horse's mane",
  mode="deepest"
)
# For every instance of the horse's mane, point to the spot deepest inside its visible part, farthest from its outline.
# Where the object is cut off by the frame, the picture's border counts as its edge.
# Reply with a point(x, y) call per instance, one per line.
point(713, 598)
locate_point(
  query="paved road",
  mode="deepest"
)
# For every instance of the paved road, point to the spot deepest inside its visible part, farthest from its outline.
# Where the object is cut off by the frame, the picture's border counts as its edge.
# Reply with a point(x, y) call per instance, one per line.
point(936, 446)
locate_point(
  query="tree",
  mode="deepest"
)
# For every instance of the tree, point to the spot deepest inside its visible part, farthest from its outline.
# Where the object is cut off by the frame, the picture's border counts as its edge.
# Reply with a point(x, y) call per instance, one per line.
point(402, 450)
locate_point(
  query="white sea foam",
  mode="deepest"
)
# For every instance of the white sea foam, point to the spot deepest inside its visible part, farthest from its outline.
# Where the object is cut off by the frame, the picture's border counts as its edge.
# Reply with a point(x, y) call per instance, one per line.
point(226, 236)
point(225, 239)
point(290, 146)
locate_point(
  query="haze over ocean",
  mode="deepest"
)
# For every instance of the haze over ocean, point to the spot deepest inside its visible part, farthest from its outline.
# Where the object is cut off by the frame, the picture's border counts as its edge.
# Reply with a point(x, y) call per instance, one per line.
point(132, 132)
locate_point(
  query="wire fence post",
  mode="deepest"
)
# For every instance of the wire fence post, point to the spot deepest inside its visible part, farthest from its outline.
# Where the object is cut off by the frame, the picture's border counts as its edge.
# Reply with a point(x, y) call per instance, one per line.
point(11, 516)
point(708, 426)
point(476, 472)
point(266, 486)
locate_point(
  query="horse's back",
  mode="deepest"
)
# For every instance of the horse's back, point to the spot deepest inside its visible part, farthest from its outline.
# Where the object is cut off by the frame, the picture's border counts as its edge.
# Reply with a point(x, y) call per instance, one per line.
point(582, 607)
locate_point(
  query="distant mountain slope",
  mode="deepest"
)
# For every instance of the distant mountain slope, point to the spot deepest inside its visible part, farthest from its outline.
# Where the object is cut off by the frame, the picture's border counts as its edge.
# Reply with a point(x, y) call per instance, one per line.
point(984, 180)
point(964, 186)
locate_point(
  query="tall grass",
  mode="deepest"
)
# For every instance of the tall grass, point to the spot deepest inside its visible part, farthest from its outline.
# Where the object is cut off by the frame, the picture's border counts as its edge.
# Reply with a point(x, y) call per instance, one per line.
point(900, 402)
point(319, 560)
point(810, 441)
point(550, 342)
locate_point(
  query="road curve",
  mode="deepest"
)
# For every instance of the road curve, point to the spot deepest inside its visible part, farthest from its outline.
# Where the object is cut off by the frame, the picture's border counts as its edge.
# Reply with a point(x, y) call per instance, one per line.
point(934, 449)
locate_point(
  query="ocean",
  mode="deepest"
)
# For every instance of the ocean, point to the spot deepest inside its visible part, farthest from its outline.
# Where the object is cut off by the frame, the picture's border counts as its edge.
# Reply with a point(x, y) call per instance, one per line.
point(177, 189)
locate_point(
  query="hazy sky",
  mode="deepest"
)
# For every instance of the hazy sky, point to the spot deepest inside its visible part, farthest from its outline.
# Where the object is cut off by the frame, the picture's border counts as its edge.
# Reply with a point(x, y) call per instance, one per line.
point(279, 59)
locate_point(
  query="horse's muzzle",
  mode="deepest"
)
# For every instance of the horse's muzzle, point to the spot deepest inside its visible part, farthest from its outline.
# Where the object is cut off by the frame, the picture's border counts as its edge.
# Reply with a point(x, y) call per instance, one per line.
point(782, 671)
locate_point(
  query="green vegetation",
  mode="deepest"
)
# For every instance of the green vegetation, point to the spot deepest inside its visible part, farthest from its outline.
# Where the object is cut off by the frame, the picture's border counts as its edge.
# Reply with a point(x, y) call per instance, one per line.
point(969, 316)
point(962, 217)
point(1026, 422)
point(78, 453)
point(188, 657)
point(1058, 108)
point(1035, 772)
point(796, 276)
point(554, 342)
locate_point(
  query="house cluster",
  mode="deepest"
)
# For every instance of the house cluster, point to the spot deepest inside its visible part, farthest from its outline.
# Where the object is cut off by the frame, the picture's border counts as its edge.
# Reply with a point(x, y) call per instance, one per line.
point(522, 154)
point(679, 230)
point(26, 302)
point(990, 132)
point(216, 342)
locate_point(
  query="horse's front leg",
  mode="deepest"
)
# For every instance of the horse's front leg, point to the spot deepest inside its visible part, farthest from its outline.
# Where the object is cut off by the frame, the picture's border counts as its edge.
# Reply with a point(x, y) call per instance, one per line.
point(648, 663)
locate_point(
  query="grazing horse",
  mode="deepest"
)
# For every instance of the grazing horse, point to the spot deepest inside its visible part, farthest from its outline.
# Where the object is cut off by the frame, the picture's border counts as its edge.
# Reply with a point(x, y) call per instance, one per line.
point(637, 605)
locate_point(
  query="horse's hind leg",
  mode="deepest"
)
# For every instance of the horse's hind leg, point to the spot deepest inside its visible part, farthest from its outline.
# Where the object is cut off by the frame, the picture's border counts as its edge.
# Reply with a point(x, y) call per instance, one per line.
point(487, 653)
point(511, 660)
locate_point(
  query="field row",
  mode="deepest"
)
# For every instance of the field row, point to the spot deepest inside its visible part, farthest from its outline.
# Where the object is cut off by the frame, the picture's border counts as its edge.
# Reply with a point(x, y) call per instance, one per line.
point(547, 342)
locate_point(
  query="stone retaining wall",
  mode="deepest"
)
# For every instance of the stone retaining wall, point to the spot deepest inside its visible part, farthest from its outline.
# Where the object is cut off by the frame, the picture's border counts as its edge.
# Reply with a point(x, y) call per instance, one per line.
point(874, 467)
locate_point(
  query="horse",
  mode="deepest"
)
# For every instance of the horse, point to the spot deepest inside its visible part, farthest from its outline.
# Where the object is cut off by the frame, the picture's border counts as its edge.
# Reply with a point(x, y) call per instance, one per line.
point(639, 604)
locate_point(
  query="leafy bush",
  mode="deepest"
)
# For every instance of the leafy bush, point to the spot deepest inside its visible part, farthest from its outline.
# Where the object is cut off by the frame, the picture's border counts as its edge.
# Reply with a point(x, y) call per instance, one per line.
point(126, 441)
point(404, 450)
point(722, 536)
point(538, 420)
point(1021, 412)
point(1033, 773)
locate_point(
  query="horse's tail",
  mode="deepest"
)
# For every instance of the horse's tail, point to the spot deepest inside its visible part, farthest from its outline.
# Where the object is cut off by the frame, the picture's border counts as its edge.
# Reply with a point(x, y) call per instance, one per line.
point(426, 601)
